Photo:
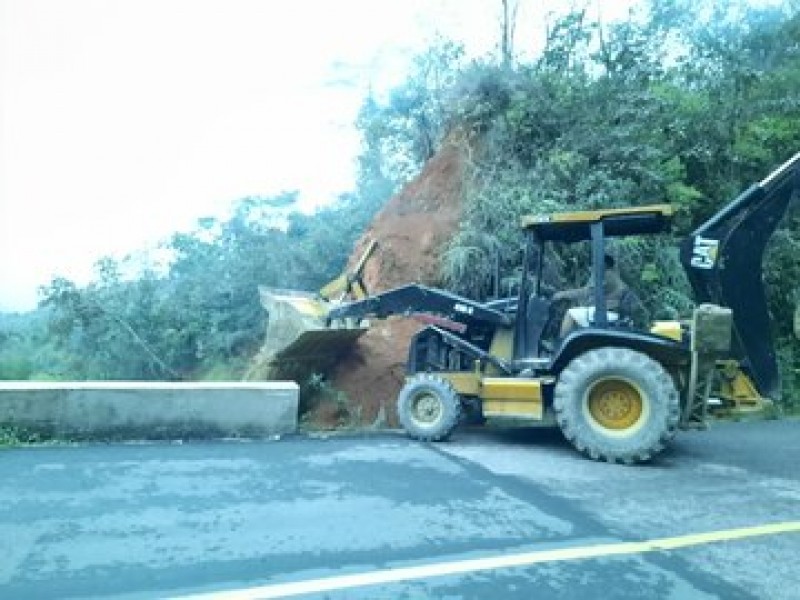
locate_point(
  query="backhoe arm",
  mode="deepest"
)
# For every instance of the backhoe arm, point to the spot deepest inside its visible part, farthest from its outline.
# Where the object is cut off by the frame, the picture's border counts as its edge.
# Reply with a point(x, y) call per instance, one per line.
point(723, 260)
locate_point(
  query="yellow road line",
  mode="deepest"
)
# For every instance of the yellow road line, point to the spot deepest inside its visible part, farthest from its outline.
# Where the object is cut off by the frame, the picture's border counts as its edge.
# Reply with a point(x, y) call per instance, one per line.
point(341, 582)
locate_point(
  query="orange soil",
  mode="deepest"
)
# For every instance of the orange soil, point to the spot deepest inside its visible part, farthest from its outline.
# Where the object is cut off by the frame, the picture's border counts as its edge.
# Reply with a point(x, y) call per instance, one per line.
point(412, 231)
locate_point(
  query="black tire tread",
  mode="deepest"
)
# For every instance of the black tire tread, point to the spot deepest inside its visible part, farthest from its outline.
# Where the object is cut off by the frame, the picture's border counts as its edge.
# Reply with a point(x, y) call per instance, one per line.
point(451, 407)
point(588, 367)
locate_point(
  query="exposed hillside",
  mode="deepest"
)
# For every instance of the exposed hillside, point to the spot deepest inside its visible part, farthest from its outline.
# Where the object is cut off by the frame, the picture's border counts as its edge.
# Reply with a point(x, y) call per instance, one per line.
point(411, 229)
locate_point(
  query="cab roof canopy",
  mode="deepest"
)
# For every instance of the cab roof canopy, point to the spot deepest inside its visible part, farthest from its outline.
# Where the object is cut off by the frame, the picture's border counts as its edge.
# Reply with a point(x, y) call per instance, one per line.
point(617, 222)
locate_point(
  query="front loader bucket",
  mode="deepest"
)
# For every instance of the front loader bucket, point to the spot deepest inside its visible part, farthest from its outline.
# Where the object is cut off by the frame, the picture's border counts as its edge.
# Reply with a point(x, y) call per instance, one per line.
point(298, 341)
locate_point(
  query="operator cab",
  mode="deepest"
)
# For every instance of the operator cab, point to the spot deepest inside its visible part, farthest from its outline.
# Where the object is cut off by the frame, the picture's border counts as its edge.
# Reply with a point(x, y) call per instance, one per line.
point(594, 227)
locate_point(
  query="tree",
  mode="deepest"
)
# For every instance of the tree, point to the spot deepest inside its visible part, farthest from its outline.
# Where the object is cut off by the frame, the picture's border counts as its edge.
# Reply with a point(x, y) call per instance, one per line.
point(405, 131)
point(508, 24)
point(203, 315)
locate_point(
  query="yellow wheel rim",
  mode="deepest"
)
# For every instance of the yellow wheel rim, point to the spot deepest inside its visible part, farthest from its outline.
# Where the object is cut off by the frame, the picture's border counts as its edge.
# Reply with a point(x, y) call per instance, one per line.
point(615, 404)
point(426, 408)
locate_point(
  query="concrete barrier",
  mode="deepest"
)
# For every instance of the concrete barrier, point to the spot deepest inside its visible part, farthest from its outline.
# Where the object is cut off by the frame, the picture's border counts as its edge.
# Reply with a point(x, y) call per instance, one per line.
point(149, 410)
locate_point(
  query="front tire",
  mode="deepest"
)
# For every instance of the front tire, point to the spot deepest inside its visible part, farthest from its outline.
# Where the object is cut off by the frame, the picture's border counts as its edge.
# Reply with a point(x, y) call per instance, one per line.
point(617, 404)
point(428, 408)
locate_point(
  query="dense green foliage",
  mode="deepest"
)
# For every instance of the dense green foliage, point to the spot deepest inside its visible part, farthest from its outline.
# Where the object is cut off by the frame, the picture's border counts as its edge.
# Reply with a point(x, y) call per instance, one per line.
point(201, 317)
point(681, 103)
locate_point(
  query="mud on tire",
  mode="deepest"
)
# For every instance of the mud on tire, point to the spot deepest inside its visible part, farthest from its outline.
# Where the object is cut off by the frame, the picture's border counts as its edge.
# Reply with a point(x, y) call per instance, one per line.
point(617, 404)
point(428, 408)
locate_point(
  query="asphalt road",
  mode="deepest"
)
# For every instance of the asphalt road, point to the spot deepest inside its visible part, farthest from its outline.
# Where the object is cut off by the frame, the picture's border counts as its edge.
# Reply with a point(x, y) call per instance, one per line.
point(515, 514)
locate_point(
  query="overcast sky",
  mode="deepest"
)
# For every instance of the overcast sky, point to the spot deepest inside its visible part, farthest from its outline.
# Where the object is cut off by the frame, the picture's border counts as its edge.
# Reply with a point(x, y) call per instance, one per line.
point(122, 121)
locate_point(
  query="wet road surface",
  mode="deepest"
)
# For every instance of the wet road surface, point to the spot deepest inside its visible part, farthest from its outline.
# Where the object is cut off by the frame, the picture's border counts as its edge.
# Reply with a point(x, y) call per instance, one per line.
point(170, 520)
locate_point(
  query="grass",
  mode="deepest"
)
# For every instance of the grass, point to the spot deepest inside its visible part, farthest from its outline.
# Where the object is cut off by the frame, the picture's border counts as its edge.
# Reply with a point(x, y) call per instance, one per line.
point(12, 436)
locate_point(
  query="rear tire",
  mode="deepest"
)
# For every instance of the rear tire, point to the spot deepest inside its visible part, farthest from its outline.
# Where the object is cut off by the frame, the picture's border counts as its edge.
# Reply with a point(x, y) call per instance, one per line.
point(617, 404)
point(428, 408)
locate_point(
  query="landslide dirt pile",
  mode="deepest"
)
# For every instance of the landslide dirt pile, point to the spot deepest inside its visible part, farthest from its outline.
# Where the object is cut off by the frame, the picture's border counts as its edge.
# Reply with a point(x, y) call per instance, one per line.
point(412, 230)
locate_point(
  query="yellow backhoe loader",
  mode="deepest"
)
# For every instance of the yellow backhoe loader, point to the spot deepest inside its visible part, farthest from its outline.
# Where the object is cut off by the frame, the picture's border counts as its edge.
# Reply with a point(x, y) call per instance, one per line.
point(618, 391)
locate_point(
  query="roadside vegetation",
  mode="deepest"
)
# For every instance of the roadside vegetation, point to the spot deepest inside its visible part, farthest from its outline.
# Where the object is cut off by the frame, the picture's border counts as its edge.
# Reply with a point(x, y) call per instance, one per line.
point(11, 436)
point(683, 103)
